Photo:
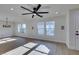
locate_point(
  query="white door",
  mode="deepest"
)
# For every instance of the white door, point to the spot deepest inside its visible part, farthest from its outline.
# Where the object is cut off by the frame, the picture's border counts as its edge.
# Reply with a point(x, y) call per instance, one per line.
point(77, 30)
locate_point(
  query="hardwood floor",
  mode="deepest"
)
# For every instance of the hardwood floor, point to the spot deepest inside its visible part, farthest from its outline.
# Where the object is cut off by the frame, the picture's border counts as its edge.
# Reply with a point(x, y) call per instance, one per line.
point(55, 48)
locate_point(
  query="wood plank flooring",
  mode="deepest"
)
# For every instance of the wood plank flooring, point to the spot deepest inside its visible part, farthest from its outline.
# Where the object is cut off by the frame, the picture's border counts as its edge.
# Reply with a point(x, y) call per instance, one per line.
point(55, 48)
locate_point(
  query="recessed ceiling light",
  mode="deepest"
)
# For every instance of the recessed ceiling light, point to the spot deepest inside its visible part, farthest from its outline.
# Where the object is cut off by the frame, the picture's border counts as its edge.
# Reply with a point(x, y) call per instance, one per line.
point(56, 12)
point(12, 9)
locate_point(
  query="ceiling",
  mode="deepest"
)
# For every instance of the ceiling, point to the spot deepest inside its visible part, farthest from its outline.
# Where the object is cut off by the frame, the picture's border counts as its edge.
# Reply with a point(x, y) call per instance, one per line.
point(16, 13)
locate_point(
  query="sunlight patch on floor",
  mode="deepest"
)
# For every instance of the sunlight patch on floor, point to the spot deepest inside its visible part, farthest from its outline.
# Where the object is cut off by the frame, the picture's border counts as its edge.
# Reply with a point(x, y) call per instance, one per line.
point(36, 53)
point(30, 45)
point(43, 48)
point(17, 51)
point(39, 50)
point(5, 40)
point(1, 42)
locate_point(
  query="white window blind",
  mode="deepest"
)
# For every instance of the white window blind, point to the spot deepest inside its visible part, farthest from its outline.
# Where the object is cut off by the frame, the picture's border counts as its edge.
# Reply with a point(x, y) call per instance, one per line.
point(22, 28)
point(40, 27)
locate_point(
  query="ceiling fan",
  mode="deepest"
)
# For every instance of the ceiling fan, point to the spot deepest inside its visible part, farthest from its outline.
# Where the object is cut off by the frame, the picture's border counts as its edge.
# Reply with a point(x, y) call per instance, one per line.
point(34, 12)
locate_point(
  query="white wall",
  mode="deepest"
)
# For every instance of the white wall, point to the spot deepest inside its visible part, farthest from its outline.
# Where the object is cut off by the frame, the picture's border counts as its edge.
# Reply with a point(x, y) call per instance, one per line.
point(5, 32)
point(60, 35)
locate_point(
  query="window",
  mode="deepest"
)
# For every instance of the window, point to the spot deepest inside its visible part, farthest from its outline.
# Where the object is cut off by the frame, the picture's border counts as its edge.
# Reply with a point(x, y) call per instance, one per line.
point(50, 27)
point(40, 27)
point(46, 28)
point(22, 28)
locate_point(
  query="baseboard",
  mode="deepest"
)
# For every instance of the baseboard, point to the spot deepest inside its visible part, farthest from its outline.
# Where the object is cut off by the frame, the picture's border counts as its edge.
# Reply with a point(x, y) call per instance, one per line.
point(41, 40)
point(6, 37)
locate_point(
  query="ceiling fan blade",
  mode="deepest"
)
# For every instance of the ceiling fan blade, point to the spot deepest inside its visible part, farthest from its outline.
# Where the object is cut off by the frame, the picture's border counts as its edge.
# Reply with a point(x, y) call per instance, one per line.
point(26, 8)
point(27, 13)
point(32, 16)
point(39, 5)
point(42, 12)
point(38, 14)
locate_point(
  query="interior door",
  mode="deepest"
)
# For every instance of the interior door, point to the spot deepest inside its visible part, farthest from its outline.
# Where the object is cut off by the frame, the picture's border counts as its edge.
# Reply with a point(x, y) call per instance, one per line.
point(77, 30)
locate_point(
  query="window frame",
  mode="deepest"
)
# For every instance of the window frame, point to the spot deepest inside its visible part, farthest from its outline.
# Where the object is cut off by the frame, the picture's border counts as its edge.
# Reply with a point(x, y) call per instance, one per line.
point(41, 28)
point(51, 28)
point(45, 28)
point(21, 29)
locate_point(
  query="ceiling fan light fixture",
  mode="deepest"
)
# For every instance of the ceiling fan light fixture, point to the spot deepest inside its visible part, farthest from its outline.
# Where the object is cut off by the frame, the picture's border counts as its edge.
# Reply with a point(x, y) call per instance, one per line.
point(34, 14)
